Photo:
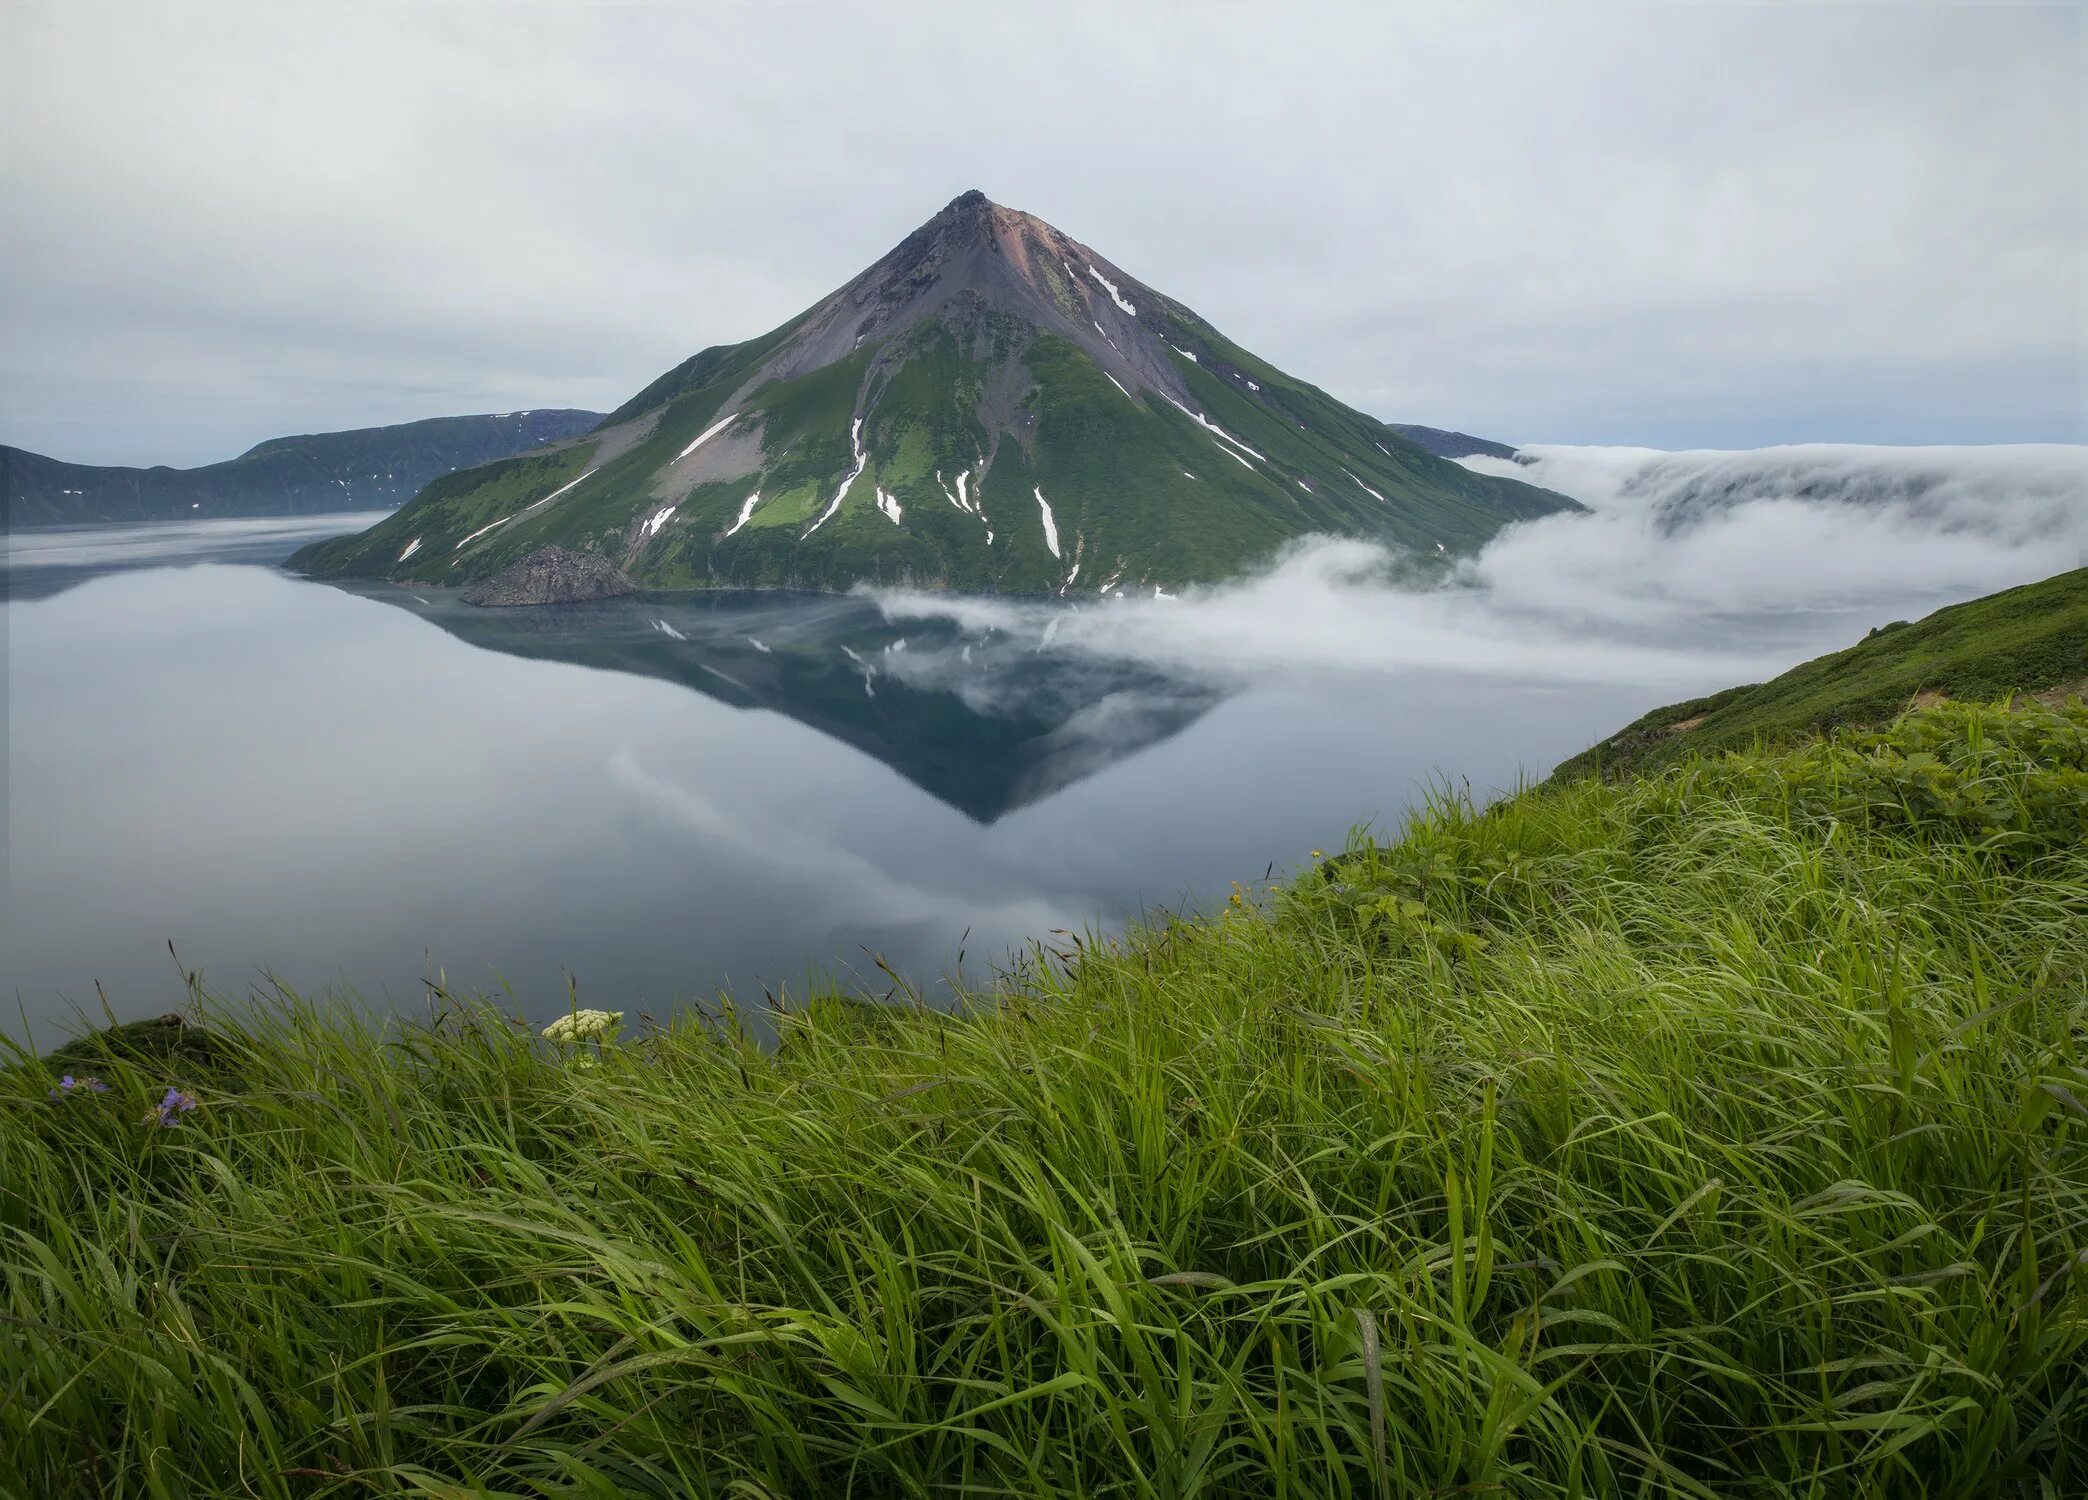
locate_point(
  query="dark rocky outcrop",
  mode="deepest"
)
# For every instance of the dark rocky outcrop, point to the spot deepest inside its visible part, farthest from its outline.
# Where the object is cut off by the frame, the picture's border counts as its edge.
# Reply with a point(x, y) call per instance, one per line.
point(157, 1042)
point(550, 575)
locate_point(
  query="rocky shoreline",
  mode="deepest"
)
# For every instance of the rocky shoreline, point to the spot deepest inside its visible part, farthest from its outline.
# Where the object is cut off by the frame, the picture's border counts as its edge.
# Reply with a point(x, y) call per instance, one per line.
point(550, 575)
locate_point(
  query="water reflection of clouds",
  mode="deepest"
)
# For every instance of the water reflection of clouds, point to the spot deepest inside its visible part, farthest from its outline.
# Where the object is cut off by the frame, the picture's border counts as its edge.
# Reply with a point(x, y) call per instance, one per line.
point(843, 887)
point(285, 776)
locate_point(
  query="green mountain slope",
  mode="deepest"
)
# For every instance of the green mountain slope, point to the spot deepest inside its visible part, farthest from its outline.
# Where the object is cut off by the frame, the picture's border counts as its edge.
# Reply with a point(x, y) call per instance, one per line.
point(992, 406)
point(365, 469)
point(2032, 639)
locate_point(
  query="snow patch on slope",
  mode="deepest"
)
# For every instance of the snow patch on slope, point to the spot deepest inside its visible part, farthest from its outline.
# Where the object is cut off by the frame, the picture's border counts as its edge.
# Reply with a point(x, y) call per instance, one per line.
point(967, 503)
point(481, 532)
point(1110, 286)
point(535, 504)
point(1366, 488)
point(1213, 428)
point(746, 512)
point(525, 510)
point(862, 462)
point(1050, 526)
point(706, 435)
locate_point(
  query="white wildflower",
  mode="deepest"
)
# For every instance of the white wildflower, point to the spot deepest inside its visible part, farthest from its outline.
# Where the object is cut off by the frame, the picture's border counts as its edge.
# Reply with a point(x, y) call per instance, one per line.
point(586, 1026)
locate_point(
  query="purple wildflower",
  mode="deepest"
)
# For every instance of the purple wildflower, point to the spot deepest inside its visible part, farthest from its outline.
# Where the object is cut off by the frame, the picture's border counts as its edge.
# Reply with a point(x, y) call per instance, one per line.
point(167, 1111)
point(69, 1085)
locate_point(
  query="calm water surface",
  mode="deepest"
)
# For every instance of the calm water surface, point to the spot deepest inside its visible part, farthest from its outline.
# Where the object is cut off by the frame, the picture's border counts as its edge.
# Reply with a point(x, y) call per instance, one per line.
point(352, 788)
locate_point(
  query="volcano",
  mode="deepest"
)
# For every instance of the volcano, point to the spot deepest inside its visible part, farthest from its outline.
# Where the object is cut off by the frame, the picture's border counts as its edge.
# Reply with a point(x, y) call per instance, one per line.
point(991, 407)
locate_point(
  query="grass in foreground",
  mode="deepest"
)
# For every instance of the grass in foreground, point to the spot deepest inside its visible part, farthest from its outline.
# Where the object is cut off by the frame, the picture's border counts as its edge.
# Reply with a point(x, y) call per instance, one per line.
point(1720, 1133)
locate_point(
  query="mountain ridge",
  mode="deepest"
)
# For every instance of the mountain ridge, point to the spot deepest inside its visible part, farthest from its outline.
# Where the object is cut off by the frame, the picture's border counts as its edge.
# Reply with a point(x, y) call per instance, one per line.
point(1445, 443)
point(363, 468)
point(990, 406)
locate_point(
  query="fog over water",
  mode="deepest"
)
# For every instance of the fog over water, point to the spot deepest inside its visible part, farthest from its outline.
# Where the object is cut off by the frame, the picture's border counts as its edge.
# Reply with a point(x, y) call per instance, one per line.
point(1810, 526)
point(49, 559)
point(1687, 571)
point(665, 794)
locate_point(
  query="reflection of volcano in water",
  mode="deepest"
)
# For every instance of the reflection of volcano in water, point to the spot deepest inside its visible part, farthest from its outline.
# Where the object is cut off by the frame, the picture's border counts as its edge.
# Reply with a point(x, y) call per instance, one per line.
point(982, 720)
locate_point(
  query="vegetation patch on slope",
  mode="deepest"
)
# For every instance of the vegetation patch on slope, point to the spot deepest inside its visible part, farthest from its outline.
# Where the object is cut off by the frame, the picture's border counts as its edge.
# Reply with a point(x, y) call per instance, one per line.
point(2032, 639)
point(1717, 1132)
point(454, 524)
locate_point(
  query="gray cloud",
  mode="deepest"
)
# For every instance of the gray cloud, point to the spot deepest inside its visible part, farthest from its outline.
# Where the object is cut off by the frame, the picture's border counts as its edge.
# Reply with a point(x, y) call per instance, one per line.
point(1677, 225)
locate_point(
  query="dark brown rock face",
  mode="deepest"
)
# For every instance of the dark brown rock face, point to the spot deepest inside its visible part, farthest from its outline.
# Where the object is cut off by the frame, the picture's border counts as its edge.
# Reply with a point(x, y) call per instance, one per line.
point(550, 575)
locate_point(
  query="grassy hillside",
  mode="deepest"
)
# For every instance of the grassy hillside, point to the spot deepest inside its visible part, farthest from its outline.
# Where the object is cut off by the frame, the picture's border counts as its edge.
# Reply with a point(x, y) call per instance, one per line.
point(327, 471)
point(1712, 1133)
point(2032, 639)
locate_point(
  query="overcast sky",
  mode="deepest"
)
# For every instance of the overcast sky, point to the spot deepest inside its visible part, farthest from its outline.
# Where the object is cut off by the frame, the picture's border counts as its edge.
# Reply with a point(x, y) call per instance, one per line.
point(1675, 225)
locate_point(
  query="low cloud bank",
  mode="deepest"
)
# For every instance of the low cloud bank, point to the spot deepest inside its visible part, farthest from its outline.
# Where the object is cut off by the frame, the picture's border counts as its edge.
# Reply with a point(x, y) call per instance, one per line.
point(1691, 538)
point(154, 543)
point(1691, 571)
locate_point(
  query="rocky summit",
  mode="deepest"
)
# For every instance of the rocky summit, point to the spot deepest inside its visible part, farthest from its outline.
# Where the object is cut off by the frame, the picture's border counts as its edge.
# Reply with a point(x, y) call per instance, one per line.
point(992, 407)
